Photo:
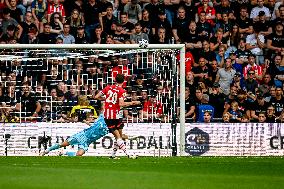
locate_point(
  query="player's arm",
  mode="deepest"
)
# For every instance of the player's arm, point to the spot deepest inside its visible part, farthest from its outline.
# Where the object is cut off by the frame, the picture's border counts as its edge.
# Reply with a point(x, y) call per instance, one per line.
point(100, 96)
point(122, 103)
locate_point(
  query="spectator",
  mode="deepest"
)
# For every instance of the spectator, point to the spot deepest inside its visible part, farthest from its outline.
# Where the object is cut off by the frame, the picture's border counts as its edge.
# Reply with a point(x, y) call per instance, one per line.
point(153, 8)
point(234, 36)
point(255, 42)
point(245, 23)
point(56, 23)
point(133, 113)
point(152, 110)
point(81, 37)
point(55, 7)
point(207, 53)
point(15, 12)
point(260, 7)
point(258, 107)
point(217, 41)
point(265, 28)
point(270, 116)
point(27, 25)
point(217, 100)
point(278, 101)
point(59, 108)
point(275, 41)
point(75, 21)
point(192, 40)
point(262, 117)
point(210, 13)
point(127, 26)
point(238, 81)
point(134, 11)
point(83, 110)
point(251, 85)
point(226, 118)
point(10, 34)
point(162, 22)
point(180, 26)
point(207, 117)
point(234, 112)
point(66, 36)
point(120, 35)
point(258, 70)
point(8, 20)
point(146, 22)
point(138, 35)
point(30, 107)
point(204, 28)
point(39, 8)
point(108, 20)
point(190, 9)
point(225, 76)
point(161, 37)
point(201, 71)
point(91, 14)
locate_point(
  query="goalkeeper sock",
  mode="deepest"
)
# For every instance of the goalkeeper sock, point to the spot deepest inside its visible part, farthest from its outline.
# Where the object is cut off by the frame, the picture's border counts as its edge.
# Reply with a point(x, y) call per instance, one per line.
point(122, 146)
point(115, 148)
point(54, 147)
point(70, 153)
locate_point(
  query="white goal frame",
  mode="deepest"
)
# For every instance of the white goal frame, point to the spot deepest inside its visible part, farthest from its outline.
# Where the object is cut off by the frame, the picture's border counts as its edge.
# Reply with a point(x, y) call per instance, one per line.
point(180, 47)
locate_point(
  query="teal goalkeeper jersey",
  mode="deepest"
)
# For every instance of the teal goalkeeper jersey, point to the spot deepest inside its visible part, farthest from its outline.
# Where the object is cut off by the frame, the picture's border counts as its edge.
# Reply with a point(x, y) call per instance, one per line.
point(97, 130)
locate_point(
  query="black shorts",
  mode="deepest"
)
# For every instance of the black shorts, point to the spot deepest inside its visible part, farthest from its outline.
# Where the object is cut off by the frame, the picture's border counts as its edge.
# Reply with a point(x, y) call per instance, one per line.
point(114, 124)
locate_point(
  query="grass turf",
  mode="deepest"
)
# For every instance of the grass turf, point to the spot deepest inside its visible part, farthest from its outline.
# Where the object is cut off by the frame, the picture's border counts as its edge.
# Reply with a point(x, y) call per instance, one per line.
point(142, 173)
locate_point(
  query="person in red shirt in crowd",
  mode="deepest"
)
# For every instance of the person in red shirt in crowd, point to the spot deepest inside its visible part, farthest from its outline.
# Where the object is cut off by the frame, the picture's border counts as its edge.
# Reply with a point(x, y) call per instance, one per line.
point(56, 7)
point(189, 61)
point(210, 11)
point(120, 67)
point(152, 110)
point(259, 71)
point(114, 99)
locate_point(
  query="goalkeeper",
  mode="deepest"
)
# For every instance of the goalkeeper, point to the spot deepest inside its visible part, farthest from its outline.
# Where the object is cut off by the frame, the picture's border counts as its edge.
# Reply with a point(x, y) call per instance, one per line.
point(83, 139)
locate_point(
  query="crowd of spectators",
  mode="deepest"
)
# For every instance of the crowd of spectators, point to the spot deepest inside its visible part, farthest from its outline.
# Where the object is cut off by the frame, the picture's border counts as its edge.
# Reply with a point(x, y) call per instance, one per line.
point(234, 57)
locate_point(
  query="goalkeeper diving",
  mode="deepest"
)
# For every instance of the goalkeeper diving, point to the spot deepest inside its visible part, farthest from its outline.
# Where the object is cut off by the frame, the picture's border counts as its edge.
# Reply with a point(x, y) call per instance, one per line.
point(84, 138)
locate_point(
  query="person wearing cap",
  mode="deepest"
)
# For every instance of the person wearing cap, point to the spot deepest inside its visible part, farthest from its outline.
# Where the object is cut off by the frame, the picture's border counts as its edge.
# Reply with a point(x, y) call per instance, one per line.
point(162, 21)
point(238, 81)
point(260, 7)
point(265, 24)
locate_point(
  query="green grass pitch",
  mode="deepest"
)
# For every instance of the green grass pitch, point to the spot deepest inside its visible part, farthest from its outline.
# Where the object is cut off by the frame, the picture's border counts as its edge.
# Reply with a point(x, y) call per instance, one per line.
point(142, 173)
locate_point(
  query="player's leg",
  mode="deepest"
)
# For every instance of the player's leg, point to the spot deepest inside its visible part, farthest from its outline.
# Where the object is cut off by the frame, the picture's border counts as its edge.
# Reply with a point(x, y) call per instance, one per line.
point(55, 147)
point(80, 152)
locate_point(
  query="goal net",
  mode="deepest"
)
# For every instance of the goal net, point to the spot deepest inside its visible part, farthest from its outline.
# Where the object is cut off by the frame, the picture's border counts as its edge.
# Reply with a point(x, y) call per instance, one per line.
point(58, 77)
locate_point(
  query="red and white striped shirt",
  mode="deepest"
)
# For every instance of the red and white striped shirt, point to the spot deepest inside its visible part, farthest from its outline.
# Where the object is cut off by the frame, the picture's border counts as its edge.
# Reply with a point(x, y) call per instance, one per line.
point(256, 68)
point(52, 8)
point(112, 93)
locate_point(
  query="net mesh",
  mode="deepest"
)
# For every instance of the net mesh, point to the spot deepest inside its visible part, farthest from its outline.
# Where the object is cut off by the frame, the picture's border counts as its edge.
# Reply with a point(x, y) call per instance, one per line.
point(57, 77)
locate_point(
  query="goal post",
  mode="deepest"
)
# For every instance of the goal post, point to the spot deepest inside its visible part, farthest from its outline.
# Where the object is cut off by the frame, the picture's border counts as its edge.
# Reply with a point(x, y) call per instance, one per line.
point(135, 47)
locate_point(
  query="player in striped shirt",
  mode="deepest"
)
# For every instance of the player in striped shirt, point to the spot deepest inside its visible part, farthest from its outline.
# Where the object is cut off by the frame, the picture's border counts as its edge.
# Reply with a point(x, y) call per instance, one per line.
point(114, 95)
point(83, 139)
